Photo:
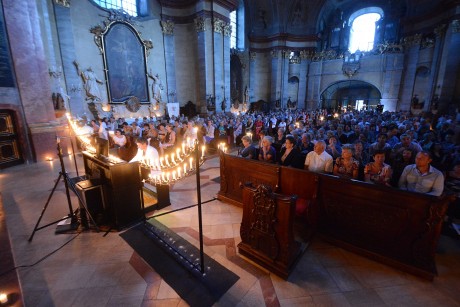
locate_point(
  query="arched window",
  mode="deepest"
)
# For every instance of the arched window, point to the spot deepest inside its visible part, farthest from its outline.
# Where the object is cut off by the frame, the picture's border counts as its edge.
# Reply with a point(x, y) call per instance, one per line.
point(362, 29)
point(237, 23)
point(129, 6)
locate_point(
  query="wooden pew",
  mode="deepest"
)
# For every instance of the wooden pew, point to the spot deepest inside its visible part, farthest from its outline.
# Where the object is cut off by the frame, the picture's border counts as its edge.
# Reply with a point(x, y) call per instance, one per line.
point(398, 228)
point(267, 234)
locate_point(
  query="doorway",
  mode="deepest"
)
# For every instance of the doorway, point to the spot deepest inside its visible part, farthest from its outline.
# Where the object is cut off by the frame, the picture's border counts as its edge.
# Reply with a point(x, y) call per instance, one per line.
point(10, 154)
point(350, 95)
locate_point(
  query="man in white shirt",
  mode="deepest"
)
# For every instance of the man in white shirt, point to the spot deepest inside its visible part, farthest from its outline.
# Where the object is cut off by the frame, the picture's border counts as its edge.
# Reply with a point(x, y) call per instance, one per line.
point(318, 160)
point(421, 177)
point(146, 153)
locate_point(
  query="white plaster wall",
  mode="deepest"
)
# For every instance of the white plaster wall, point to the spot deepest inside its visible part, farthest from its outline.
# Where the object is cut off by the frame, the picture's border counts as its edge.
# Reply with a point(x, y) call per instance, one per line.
point(186, 65)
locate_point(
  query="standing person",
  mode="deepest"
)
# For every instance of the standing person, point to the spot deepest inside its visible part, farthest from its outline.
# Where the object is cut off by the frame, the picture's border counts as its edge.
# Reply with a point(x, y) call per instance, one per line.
point(210, 129)
point(421, 177)
point(319, 160)
point(103, 129)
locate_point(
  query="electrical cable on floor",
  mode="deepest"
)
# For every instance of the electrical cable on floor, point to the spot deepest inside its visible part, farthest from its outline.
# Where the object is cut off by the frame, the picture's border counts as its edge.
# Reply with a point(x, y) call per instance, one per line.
point(41, 259)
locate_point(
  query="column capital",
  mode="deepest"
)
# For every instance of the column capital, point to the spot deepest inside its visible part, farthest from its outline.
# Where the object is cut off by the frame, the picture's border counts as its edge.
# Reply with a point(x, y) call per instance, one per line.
point(200, 24)
point(456, 26)
point(64, 3)
point(167, 27)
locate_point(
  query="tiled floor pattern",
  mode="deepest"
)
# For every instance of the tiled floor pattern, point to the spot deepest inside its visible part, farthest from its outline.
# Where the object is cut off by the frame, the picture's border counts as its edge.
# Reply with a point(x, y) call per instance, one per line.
point(93, 270)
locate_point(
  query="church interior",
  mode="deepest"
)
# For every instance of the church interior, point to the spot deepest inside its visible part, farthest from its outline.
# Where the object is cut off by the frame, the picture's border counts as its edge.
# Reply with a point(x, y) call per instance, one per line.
point(66, 63)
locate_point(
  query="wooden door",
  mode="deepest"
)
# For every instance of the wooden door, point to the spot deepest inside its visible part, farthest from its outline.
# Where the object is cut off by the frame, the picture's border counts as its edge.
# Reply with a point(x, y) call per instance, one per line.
point(9, 145)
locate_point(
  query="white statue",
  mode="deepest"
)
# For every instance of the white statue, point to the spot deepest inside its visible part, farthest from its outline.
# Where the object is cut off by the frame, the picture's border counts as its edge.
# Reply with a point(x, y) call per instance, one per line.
point(90, 82)
point(157, 87)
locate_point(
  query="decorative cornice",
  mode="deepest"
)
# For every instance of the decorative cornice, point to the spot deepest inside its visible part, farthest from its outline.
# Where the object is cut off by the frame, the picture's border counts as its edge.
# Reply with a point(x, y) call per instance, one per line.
point(167, 27)
point(274, 53)
point(231, 5)
point(252, 55)
point(285, 54)
point(412, 40)
point(456, 26)
point(190, 18)
point(200, 24)
point(305, 54)
point(64, 3)
point(283, 37)
point(427, 42)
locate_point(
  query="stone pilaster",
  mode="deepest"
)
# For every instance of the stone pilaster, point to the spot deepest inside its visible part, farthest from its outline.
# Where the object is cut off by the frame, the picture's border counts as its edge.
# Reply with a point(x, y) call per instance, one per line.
point(31, 69)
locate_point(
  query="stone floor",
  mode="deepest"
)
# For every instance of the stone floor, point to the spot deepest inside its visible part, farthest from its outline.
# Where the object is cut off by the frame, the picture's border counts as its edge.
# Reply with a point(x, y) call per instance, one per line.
point(90, 269)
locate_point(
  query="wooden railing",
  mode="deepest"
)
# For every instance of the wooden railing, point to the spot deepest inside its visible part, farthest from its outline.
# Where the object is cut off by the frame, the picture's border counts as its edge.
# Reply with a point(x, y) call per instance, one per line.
point(396, 227)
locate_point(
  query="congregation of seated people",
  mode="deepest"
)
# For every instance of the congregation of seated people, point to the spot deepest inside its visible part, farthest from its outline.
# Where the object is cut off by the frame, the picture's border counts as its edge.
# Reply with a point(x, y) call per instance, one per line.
point(366, 145)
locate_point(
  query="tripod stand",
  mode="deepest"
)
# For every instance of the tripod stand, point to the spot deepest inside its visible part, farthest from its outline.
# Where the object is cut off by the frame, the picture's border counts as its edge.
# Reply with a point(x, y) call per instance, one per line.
point(72, 214)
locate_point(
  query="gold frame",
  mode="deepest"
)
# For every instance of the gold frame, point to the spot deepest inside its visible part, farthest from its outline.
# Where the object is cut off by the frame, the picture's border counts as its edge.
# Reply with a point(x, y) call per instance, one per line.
point(100, 33)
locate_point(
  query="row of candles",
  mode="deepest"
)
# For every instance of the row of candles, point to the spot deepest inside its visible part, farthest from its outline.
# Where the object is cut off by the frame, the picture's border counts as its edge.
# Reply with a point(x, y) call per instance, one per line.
point(166, 169)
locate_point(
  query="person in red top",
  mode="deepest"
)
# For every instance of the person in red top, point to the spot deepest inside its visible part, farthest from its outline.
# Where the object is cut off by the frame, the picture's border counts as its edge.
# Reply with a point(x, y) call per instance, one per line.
point(258, 125)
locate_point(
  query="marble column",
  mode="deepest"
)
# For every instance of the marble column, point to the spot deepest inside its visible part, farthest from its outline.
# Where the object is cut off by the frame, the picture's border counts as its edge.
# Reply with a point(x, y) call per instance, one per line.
point(29, 62)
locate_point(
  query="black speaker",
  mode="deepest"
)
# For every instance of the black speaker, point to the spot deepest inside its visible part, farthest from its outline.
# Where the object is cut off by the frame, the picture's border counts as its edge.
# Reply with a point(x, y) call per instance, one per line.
point(91, 193)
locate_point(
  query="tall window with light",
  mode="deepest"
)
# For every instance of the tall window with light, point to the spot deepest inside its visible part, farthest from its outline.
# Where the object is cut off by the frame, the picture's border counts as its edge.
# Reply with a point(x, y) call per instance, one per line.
point(233, 23)
point(129, 6)
point(362, 32)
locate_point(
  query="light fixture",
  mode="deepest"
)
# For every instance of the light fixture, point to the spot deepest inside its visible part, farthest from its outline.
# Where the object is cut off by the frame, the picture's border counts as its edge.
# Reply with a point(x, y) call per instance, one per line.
point(49, 159)
point(3, 298)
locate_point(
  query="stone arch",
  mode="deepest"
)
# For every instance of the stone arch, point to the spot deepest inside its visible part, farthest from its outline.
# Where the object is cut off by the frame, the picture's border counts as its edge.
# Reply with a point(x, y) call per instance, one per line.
point(350, 95)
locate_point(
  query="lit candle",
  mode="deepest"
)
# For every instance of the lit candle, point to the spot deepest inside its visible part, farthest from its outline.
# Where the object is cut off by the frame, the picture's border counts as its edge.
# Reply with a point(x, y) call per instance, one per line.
point(174, 175)
point(172, 159)
point(203, 148)
point(183, 148)
point(178, 172)
point(161, 162)
point(163, 176)
point(188, 141)
point(166, 159)
point(191, 163)
point(178, 153)
point(167, 175)
point(3, 298)
point(185, 168)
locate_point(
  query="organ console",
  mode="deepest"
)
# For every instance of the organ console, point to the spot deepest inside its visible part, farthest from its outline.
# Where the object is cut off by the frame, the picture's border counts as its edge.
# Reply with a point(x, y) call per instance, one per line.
point(121, 186)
